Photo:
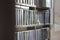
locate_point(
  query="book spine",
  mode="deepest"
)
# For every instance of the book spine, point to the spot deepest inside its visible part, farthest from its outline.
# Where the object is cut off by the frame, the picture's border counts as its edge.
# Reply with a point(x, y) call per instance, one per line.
point(31, 36)
point(22, 35)
point(22, 16)
point(27, 17)
point(21, 1)
point(29, 2)
point(18, 16)
point(24, 1)
point(33, 2)
point(31, 16)
point(47, 16)
point(25, 36)
point(18, 36)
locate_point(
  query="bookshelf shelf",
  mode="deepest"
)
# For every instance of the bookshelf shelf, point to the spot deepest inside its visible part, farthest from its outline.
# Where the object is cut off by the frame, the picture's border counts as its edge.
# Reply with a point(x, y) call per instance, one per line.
point(31, 27)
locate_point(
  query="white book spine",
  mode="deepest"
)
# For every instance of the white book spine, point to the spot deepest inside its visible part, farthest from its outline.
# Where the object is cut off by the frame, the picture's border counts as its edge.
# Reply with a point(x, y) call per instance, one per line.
point(25, 36)
point(18, 1)
point(18, 16)
point(27, 17)
point(33, 2)
point(29, 2)
point(22, 36)
point(22, 16)
point(31, 35)
point(24, 1)
point(21, 1)
point(18, 36)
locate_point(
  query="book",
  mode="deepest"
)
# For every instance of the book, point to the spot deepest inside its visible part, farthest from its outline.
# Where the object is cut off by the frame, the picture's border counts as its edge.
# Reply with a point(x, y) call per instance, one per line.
point(44, 34)
point(16, 15)
point(32, 35)
point(33, 2)
point(22, 35)
point(47, 16)
point(38, 34)
point(40, 17)
point(18, 36)
point(26, 35)
point(29, 2)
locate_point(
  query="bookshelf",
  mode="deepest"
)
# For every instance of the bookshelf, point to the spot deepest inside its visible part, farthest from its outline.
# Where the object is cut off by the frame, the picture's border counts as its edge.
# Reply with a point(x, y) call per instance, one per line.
point(30, 20)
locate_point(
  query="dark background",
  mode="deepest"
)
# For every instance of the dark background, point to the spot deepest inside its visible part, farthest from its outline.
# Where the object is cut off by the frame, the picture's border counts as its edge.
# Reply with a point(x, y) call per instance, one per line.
point(7, 19)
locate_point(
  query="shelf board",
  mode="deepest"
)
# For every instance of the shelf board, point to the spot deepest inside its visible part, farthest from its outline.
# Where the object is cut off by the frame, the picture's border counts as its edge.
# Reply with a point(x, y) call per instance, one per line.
point(31, 27)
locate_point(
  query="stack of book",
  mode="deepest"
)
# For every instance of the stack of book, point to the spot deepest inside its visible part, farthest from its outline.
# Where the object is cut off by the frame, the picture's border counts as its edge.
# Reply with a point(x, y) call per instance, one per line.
point(38, 34)
point(30, 2)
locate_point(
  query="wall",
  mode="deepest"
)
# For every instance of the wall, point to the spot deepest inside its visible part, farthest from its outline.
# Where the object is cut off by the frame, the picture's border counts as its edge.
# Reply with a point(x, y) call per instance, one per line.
point(55, 30)
point(57, 15)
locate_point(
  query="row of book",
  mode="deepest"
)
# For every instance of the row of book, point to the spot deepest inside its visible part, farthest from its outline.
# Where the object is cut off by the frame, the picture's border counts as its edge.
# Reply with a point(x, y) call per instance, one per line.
point(42, 3)
point(30, 2)
point(38, 34)
point(24, 17)
point(28, 17)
